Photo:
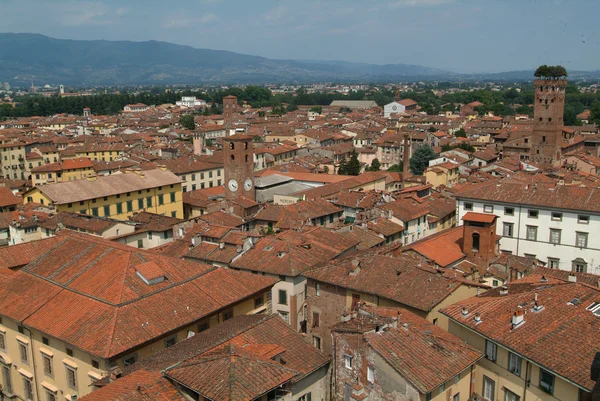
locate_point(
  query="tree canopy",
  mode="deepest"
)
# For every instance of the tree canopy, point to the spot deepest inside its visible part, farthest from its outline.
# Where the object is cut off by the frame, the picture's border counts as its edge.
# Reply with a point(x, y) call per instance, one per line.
point(550, 71)
point(420, 159)
point(350, 167)
point(187, 121)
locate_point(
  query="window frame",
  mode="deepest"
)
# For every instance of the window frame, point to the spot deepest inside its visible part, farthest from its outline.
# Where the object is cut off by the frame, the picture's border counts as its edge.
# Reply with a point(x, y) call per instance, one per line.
point(68, 370)
point(491, 346)
point(584, 235)
point(533, 213)
point(23, 352)
point(507, 213)
point(535, 230)
point(348, 361)
point(552, 231)
point(556, 216)
point(515, 362)
point(583, 219)
point(510, 228)
point(28, 388)
point(550, 389)
point(468, 206)
point(281, 293)
point(488, 208)
point(48, 358)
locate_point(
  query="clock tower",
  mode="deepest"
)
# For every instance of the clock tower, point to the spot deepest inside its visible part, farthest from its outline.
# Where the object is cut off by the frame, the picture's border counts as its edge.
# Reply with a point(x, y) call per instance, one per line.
point(238, 164)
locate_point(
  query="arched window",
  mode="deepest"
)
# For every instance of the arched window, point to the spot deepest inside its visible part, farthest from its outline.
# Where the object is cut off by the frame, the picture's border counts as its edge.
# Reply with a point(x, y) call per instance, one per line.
point(232, 157)
point(246, 158)
point(231, 145)
point(246, 145)
point(475, 242)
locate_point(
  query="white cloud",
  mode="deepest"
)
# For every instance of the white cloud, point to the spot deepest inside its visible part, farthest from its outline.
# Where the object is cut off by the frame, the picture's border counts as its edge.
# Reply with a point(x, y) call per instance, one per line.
point(119, 12)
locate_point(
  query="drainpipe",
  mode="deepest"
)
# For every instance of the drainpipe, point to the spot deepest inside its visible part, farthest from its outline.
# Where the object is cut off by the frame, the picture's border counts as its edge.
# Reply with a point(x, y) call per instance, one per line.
point(37, 392)
point(527, 380)
point(332, 374)
point(471, 381)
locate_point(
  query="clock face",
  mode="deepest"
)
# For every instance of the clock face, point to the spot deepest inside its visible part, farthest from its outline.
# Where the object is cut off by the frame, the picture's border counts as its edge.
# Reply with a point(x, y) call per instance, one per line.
point(233, 185)
point(248, 184)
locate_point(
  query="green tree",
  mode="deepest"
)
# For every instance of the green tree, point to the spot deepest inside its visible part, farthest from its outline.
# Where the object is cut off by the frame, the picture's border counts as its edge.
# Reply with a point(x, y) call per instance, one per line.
point(461, 133)
point(187, 121)
point(375, 165)
point(595, 112)
point(353, 166)
point(292, 107)
point(395, 168)
point(316, 109)
point(420, 159)
point(257, 138)
point(343, 167)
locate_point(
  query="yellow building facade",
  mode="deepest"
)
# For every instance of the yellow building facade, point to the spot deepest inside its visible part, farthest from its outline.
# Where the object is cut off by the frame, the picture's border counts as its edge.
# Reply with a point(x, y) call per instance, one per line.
point(116, 196)
point(35, 366)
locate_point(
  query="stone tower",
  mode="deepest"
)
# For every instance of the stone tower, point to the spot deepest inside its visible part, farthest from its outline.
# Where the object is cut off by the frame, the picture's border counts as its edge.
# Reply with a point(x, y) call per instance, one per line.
point(229, 110)
point(239, 166)
point(548, 123)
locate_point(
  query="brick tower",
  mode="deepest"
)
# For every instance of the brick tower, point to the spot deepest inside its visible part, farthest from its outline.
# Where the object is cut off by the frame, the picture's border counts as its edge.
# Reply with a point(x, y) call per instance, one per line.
point(548, 123)
point(480, 241)
point(229, 110)
point(239, 166)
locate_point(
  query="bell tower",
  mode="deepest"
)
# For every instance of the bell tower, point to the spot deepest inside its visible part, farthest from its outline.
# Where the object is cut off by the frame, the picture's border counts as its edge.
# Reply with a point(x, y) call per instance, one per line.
point(239, 166)
point(229, 110)
point(548, 123)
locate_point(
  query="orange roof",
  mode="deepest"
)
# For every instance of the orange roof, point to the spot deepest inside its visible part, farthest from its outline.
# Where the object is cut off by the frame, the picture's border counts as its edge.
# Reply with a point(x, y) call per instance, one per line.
point(480, 217)
point(80, 162)
point(443, 248)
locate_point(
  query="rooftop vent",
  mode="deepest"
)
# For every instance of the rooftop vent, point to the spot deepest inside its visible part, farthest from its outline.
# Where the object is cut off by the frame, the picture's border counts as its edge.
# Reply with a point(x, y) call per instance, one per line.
point(465, 311)
point(518, 318)
point(544, 279)
point(268, 248)
point(280, 254)
point(504, 290)
point(572, 278)
point(477, 318)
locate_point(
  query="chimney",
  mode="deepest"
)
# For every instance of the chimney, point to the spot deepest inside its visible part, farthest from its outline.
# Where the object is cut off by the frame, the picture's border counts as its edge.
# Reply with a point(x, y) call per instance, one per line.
point(537, 305)
point(477, 318)
point(518, 318)
point(572, 278)
point(504, 290)
point(395, 321)
point(465, 311)
point(221, 245)
point(346, 317)
point(355, 264)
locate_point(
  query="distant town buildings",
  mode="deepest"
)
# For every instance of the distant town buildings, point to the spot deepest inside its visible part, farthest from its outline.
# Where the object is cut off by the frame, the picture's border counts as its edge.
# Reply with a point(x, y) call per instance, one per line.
point(300, 252)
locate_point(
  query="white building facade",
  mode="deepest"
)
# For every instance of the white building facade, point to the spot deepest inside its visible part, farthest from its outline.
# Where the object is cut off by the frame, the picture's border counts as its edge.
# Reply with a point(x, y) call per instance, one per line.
point(393, 108)
point(561, 237)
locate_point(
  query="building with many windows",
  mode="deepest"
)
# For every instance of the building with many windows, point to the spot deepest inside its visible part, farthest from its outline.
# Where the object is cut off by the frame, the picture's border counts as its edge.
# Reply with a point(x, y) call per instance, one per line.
point(553, 223)
point(538, 334)
point(117, 196)
point(88, 306)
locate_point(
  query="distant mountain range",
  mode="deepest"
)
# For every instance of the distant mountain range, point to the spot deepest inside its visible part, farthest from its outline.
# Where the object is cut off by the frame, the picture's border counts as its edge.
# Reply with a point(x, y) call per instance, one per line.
point(100, 62)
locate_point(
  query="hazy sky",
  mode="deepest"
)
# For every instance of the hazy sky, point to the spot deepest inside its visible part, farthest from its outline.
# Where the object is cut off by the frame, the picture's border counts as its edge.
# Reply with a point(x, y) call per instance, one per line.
point(457, 35)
